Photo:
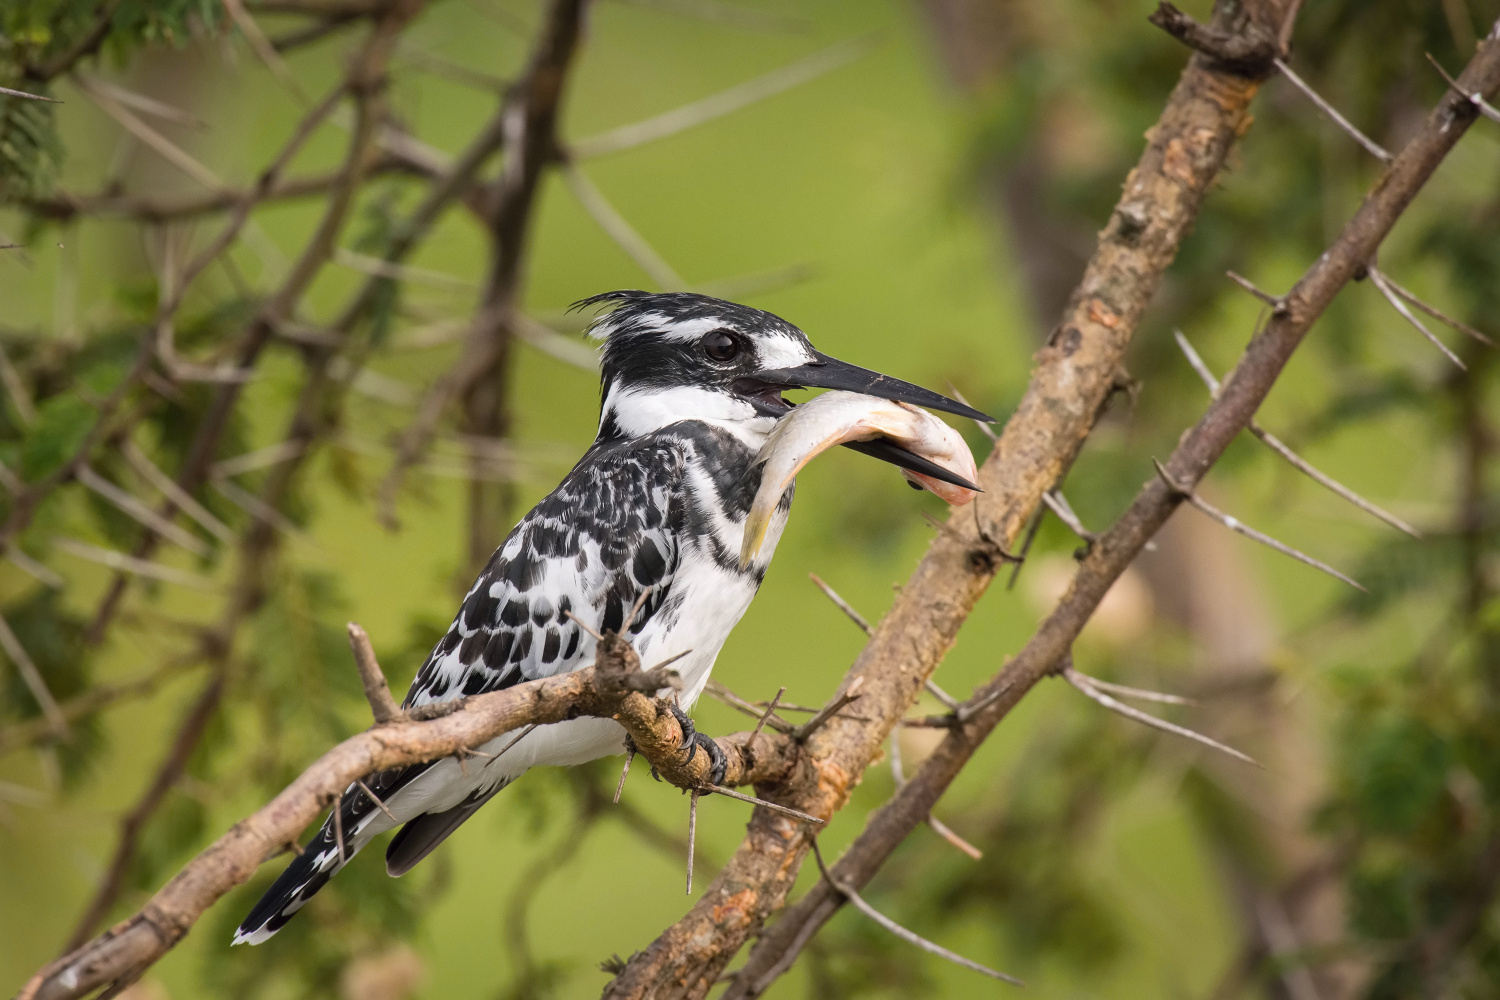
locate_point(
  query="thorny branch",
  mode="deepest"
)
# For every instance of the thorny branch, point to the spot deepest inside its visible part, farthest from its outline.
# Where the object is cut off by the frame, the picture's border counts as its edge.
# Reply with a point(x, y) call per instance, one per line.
point(1229, 413)
point(1075, 375)
point(614, 687)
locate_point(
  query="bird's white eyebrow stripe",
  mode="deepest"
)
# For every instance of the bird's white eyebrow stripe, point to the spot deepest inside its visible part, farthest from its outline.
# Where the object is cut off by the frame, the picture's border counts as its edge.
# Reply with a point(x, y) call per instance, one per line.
point(684, 329)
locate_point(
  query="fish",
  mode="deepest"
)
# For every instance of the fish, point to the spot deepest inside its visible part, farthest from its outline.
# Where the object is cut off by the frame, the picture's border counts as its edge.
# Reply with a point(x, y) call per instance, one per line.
point(839, 417)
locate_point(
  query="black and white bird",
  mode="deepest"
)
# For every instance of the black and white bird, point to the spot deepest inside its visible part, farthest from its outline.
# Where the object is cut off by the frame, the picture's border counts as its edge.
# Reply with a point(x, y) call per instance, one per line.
point(691, 386)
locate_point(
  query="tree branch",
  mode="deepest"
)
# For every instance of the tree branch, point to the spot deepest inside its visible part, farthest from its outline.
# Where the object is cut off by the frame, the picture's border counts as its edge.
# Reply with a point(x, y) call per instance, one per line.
point(1076, 373)
point(615, 687)
point(1229, 413)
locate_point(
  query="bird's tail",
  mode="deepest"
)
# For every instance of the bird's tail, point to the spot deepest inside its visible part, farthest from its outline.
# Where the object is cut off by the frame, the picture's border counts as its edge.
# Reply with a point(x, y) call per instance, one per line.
point(308, 872)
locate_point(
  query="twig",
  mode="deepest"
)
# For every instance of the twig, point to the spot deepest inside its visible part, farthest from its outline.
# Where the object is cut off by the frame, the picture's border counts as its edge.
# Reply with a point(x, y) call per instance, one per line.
point(176, 494)
point(1296, 461)
point(123, 563)
point(377, 692)
point(812, 725)
point(723, 103)
point(1031, 533)
point(37, 571)
point(635, 609)
point(35, 683)
point(1085, 686)
point(617, 228)
point(20, 398)
point(166, 148)
point(525, 732)
point(1401, 307)
point(1374, 148)
point(264, 50)
point(148, 105)
point(1234, 524)
point(132, 506)
point(843, 605)
point(901, 932)
point(773, 806)
point(259, 509)
point(692, 836)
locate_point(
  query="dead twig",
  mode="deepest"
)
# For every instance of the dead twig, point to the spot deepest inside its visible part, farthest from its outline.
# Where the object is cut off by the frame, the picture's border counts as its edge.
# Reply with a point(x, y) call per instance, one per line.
point(377, 692)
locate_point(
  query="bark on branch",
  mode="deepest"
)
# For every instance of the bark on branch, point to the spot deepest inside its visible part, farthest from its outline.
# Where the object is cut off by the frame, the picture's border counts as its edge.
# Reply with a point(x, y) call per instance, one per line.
point(615, 687)
point(1231, 411)
point(1076, 373)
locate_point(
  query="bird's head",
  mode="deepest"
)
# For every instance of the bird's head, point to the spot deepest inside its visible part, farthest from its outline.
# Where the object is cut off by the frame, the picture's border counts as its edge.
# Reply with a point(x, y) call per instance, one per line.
point(682, 356)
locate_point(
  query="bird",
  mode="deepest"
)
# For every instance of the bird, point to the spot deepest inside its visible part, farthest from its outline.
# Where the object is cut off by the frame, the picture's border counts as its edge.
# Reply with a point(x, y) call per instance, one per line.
point(650, 521)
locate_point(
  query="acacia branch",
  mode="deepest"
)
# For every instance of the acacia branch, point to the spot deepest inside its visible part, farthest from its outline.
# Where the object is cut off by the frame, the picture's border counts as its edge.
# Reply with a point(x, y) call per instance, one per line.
point(615, 687)
point(1075, 375)
point(1228, 414)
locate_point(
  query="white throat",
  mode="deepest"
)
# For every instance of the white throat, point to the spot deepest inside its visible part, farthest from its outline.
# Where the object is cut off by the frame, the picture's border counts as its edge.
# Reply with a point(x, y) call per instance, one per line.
point(638, 412)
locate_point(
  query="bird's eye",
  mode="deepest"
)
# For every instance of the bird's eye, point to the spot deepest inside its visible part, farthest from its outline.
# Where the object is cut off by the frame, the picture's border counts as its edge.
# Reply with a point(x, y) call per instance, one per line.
point(719, 346)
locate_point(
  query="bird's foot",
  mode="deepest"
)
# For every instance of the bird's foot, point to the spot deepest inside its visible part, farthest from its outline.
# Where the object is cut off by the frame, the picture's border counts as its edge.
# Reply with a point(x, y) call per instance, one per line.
point(718, 763)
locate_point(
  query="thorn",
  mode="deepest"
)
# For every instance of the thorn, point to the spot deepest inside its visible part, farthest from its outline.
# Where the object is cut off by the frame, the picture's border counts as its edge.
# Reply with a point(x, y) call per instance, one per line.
point(984, 428)
point(634, 610)
point(1374, 148)
point(1278, 306)
point(1477, 99)
point(773, 806)
point(1279, 447)
point(949, 702)
point(1031, 532)
point(29, 97)
point(829, 711)
point(624, 773)
point(295, 848)
point(1441, 317)
point(943, 830)
point(338, 826)
point(692, 836)
point(1058, 504)
point(1234, 524)
point(585, 626)
point(1143, 695)
point(911, 937)
point(770, 709)
point(1084, 685)
point(518, 738)
point(843, 605)
point(728, 697)
point(376, 799)
point(1379, 281)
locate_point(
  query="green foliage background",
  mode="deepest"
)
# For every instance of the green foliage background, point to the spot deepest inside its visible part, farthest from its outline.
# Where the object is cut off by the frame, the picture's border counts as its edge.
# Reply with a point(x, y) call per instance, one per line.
point(1109, 852)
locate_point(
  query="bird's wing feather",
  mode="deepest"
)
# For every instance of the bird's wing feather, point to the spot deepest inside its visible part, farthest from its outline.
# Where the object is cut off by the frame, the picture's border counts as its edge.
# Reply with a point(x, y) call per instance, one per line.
point(590, 548)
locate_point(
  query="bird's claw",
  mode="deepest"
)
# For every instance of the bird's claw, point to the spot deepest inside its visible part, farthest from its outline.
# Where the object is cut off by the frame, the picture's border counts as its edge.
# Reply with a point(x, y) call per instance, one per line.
point(718, 763)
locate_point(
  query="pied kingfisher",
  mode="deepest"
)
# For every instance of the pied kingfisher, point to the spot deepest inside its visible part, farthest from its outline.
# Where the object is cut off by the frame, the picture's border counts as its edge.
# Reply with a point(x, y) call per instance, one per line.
point(690, 387)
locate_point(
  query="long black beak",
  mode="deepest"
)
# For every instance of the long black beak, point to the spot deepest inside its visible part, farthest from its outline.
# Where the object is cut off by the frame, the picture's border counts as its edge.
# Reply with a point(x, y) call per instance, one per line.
point(831, 373)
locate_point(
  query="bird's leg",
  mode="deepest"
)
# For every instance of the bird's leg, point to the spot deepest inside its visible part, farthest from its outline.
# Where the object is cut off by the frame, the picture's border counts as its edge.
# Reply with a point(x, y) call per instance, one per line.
point(692, 740)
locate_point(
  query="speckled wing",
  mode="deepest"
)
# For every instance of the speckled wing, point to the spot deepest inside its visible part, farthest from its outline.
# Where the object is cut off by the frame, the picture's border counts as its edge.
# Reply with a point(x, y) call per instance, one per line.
point(590, 548)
